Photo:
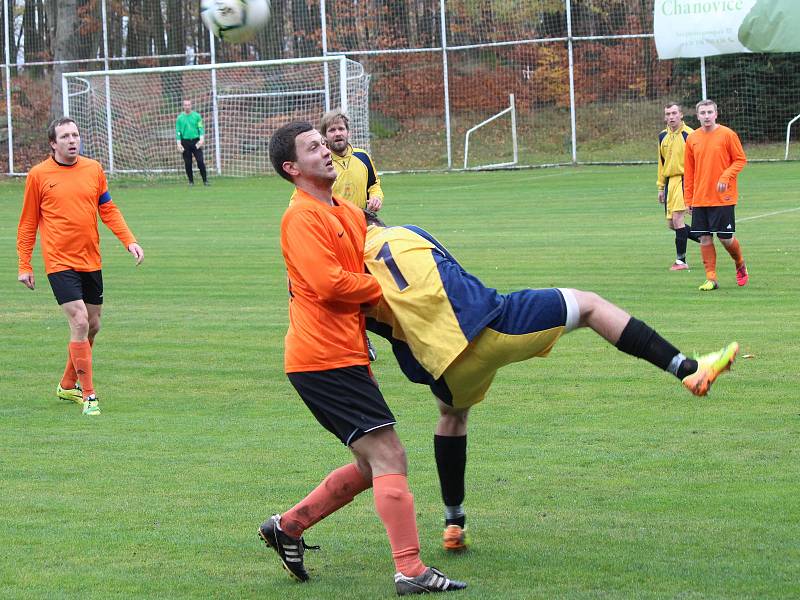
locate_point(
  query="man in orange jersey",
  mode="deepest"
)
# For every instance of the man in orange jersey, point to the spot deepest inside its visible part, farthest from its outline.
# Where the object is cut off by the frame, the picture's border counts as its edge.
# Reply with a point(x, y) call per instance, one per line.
point(322, 240)
point(714, 157)
point(63, 196)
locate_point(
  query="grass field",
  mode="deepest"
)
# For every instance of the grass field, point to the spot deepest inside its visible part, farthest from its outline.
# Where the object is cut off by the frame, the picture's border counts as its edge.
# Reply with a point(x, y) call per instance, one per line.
point(591, 474)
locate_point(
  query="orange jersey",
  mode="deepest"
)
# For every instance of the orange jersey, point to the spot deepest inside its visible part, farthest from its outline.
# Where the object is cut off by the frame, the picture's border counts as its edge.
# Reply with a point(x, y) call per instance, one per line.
point(62, 202)
point(323, 247)
point(711, 158)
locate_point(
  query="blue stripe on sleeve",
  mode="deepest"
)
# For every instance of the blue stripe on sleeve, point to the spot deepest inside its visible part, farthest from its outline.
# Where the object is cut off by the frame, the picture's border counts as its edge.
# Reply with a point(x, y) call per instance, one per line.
point(104, 197)
point(362, 156)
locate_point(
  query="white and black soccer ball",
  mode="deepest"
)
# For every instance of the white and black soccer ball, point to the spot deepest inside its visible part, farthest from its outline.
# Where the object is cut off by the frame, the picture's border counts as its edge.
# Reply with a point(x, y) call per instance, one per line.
point(234, 21)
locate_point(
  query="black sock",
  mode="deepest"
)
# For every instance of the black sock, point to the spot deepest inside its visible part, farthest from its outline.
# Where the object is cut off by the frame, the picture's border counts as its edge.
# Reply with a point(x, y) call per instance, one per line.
point(694, 236)
point(681, 237)
point(451, 463)
point(639, 340)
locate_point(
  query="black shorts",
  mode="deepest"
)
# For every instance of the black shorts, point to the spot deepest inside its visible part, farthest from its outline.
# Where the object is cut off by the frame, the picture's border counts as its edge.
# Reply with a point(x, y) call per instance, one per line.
point(714, 219)
point(70, 285)
point(345, 401)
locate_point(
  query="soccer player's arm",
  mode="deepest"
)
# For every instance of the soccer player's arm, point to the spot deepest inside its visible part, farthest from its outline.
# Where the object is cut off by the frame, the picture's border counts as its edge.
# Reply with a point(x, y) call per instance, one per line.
point(178, 134)
point(738, 159)
point(26, 231)
point(309, 246)
point(374, 182)
point(660, 179)
point(688, 175)
point(200, 130)
point(111, 215)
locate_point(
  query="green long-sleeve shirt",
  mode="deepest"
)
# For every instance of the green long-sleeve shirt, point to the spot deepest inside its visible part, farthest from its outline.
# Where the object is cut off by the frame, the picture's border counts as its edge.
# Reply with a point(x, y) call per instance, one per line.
point(189, 127)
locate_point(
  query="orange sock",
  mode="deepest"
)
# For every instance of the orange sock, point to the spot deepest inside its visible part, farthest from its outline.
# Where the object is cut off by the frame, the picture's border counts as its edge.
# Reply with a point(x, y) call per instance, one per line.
point(70, 377)
point(395, 505)
point(709, 254)
point(81, 354)
point(735, 250)
point(336, 490)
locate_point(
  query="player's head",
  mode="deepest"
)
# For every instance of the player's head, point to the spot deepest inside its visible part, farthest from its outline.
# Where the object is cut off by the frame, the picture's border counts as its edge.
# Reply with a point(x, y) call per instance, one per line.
point(707, 113)
point(335, 126)
point(299, 152)
point(187, 106)
point(673, 115)
point(65, 140)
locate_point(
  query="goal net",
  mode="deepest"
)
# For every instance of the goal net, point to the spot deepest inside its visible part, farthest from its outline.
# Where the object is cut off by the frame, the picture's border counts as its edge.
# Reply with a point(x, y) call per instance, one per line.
point(127, 117)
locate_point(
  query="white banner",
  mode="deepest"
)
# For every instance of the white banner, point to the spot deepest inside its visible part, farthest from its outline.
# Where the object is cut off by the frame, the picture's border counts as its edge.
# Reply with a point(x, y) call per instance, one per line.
point(693, 28)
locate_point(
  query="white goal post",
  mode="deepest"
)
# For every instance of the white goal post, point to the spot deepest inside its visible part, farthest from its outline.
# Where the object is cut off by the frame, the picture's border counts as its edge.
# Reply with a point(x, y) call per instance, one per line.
point(127, 116)
point(512, 111)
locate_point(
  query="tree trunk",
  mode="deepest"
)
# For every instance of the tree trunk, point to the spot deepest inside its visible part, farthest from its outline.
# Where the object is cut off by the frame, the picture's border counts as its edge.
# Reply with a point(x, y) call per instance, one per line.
point(63, 28)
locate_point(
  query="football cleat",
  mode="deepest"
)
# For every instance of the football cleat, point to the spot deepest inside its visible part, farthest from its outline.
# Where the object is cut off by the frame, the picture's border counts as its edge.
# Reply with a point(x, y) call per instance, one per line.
point(429, 581)
point(289, 549)
point(709, 367)
point(70, 395)
point(742, 276)
point(454, 539)
point(91, 406)
point(679, 265)
point(708, 286)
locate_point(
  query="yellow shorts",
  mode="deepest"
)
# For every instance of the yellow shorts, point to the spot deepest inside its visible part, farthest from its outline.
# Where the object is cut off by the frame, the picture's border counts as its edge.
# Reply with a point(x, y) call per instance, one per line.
point(673, 191)
point(469, 376)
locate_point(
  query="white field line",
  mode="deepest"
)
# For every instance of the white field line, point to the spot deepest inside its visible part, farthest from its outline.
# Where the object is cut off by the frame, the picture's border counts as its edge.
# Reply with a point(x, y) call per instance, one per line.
point(777, 212)
point(494, 183)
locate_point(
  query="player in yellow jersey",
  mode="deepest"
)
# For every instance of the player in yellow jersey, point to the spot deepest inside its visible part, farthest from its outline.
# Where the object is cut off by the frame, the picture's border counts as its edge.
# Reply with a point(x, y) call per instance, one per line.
point(452, 333)
point(671, 145)
point(357, 180)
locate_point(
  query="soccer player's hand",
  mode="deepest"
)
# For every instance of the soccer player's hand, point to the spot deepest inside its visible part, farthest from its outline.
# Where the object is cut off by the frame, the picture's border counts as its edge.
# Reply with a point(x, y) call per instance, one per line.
point(200, 142)
point(374, 203)
point(27, 280)
point(661, 196)
point(180, 146)
point(137, 252)
point(722, 186)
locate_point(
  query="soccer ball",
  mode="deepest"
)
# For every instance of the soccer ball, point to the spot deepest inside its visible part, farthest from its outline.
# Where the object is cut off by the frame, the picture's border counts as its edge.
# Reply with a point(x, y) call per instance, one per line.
point(234, 21)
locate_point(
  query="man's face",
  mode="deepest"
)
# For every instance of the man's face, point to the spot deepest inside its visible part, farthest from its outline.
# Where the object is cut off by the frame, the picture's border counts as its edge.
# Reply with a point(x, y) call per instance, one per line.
point(67, 144)
point(673, 117)
point(707, 115)
point(313, 159)
point(187, 106)
point(338, 137)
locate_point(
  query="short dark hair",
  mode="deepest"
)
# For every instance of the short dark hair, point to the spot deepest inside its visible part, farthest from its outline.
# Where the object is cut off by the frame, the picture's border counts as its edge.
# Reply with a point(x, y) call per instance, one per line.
point(668, 104)
point(282, 146)
point(51, 130)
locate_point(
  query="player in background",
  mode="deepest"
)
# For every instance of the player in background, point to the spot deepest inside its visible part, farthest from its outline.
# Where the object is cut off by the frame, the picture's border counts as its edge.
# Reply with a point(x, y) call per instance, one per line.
point(191, 135)
point(63, 196)
point(357, 180)
point(714, 157)
point(671, 144)
point(450, 332)
point(322, 240)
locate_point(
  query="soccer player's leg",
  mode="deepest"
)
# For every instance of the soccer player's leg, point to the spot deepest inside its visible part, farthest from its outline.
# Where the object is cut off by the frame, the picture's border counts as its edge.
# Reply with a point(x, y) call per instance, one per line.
point(727, 237)
point(450, 451)
point(69, 288)
point(702, 225)
point(676, 210)
point(636, 338)
point(529, 326)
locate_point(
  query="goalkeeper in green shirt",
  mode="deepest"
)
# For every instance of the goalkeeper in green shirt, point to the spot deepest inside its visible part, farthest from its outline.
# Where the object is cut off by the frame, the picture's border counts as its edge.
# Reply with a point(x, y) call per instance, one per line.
point(189, 131)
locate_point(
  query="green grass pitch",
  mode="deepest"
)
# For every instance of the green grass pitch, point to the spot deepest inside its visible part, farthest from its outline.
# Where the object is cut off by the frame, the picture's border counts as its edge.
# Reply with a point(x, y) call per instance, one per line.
point(590, 474)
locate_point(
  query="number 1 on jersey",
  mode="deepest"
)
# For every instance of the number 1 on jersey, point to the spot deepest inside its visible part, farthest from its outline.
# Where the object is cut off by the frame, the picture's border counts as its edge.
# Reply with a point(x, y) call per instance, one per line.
point(385, 254)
